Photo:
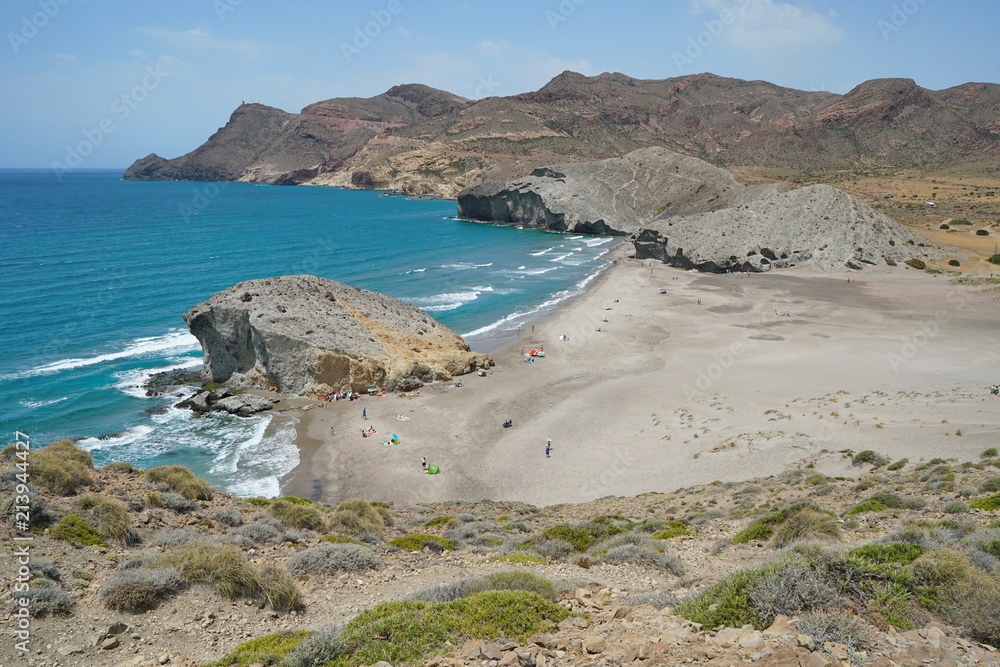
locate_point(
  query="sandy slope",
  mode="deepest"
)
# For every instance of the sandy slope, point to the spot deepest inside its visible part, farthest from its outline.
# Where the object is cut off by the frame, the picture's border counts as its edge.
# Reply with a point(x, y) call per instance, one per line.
point(765, 371)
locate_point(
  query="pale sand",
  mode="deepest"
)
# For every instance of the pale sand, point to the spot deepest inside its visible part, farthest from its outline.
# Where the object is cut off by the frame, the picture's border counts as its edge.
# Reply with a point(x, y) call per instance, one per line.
point(765, 374)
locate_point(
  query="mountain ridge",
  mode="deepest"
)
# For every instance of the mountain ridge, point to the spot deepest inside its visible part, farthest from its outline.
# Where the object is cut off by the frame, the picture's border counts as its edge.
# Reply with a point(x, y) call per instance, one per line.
point(430, 142)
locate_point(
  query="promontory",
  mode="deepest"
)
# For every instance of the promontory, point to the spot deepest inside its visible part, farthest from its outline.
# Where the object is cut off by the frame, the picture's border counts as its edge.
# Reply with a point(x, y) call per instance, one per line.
point(304, 335)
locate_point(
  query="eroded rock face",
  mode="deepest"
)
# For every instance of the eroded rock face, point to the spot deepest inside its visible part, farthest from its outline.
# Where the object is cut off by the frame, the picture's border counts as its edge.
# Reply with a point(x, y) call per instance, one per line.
point(818, 223)
point(303, 335)
point(611, 196)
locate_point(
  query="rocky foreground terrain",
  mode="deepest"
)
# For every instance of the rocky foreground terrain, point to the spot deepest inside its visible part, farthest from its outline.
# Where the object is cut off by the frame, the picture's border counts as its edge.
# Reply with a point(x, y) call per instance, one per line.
point(897, 563)
point(308, 335)
point(426, 141)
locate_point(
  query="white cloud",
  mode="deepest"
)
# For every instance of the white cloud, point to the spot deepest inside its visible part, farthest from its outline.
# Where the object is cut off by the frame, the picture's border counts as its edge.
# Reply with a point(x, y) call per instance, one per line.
point(199, 39)
point(766, 28)
point(494, 49)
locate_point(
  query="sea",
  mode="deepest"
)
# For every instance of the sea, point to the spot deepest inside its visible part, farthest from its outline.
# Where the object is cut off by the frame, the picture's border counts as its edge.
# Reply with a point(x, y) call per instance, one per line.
point(96, 272)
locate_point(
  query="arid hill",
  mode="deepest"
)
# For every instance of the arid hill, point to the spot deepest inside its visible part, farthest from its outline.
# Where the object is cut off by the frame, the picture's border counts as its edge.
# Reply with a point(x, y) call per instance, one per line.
point(427, 141)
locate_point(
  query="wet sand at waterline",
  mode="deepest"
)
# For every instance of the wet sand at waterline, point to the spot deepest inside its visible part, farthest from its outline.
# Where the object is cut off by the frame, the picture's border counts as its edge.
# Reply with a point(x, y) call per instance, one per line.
point(763, 374)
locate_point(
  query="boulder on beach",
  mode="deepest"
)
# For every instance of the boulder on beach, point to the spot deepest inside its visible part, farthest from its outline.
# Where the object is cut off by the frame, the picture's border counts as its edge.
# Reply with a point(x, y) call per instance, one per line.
point(304, 335)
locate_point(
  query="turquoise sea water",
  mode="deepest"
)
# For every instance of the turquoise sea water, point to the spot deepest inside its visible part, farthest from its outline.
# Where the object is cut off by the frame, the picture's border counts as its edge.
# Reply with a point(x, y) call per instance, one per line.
point(96, 273)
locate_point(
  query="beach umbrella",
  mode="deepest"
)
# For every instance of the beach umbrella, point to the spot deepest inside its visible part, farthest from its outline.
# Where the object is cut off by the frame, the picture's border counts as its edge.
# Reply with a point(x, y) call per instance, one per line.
point(433, 469)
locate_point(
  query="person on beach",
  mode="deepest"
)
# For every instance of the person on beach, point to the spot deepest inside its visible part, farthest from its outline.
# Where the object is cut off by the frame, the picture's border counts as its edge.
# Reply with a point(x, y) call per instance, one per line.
point(423, 463)
point(364, 413)
point(548, 449)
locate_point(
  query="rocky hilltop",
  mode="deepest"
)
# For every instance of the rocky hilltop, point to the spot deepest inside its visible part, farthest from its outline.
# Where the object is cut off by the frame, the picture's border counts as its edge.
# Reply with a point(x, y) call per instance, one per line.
point(265, 144)
point(613, 196)
point(308, 335)
point(818, 223)
point(427, 141)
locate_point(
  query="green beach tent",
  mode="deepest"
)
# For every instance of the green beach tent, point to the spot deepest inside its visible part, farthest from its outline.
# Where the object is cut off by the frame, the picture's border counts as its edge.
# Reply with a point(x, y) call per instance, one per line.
point(433, 469)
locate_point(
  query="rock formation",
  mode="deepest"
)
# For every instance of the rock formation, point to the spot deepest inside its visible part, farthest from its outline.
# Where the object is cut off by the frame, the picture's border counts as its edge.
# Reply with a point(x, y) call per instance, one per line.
point(613, 196)
point(818, 223)
point(308, 335)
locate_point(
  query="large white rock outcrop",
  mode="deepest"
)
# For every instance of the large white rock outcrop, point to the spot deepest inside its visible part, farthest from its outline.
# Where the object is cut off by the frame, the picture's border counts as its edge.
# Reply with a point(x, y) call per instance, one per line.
point(303, 335)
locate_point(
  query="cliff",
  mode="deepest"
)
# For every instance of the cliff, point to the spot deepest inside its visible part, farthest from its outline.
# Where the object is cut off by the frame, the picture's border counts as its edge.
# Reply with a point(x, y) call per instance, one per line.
point(308, 335)
point(613, 196)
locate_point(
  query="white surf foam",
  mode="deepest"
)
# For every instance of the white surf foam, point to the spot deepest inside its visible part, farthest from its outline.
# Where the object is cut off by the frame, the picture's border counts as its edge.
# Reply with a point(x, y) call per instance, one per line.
point(123, 439)
point(174, 342)
point(556, 299)
point(462, 266)
point(541, 252)
point(133, 382)
point(449, 300)
point(40, 404)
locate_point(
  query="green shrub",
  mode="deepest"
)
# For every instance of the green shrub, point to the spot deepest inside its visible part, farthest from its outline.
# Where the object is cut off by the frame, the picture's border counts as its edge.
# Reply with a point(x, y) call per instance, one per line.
point(120, 466)
point(728, 603)
point(894, 553)
point(62, 468)
point(445, 520)
point(262, 531)
point(140, 589)
point(644, 554)
point(790, 589)
point(916, 264)
point(518, 558)
point(114, 521)
point(672, 529)
point(278, 589)
point(956, 507)
point(181, 480)
point(512, 580)
point(418, 541)
point(994, 259)
point(982, 232)
point(304, 516)
point(960, 221)
point(581, 536)
point(356, 516)
point(805, 524)
point(763, 527)
point(972, 604)
point(992, 451)
point(176, 502)
point(333, 559)
point(866, 506)
point(991, 485)
point(991, 503)
point(230, 517)
point(898, 464)
point(337, 538)
point(409, 632)
point(74, 529)
point(320, 648)
point(225, 568)
point(258, 502)
point(45, 598)
point(954, 262)
point(266, 650)
point(869, 457)
point(837, 626)
point(945, 226)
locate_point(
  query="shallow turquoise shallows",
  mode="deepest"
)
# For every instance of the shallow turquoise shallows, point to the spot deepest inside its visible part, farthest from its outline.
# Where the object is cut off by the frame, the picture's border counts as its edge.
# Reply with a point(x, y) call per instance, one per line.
point(95, 273)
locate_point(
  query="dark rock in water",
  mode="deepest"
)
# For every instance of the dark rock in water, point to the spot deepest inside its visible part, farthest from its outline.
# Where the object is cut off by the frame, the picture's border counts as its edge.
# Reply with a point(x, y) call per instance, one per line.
point(305, 335)
point(199, 402)
point(156, 410)
point(168, 379)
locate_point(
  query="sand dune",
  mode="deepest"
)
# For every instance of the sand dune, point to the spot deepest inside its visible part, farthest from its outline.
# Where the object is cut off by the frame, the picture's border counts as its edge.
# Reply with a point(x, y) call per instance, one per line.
point(764, 373)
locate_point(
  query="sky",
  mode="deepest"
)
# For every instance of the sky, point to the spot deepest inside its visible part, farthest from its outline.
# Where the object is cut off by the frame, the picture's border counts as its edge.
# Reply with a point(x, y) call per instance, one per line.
point(100, 83)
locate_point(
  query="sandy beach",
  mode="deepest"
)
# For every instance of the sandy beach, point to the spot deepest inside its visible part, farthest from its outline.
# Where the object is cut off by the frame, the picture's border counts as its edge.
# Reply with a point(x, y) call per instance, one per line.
point(722, 377)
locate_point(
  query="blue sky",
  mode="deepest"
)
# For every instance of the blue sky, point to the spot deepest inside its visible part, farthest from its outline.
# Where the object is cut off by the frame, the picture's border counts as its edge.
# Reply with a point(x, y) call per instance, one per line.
point(128, 78)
